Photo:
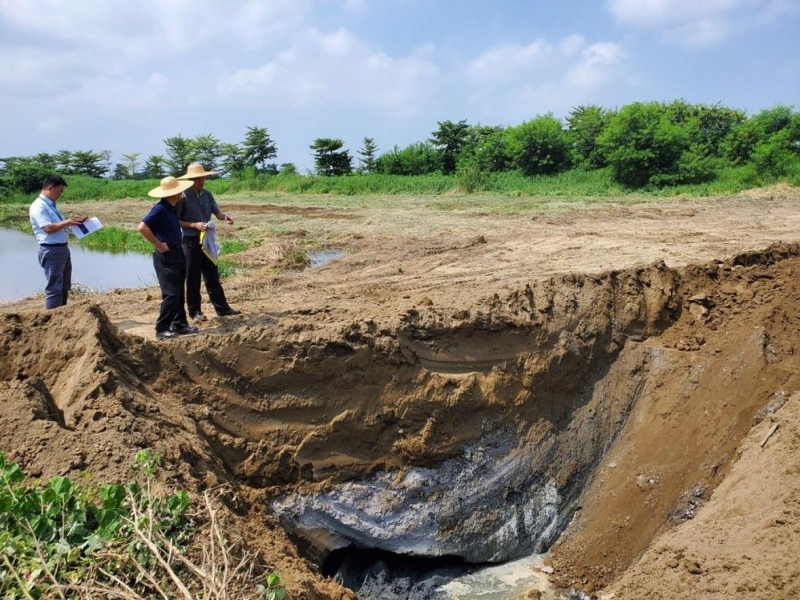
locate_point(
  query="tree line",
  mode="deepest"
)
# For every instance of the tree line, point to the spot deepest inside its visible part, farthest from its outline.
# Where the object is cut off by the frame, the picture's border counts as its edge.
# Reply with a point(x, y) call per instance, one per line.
point(644, 144)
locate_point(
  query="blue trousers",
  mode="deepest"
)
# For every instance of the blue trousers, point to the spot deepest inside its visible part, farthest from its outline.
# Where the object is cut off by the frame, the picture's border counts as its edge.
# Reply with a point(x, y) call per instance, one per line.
point(57, 264)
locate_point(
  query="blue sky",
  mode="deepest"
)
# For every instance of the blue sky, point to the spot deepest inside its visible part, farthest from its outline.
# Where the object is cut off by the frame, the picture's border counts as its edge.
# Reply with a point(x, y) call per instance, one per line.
point(122, 76)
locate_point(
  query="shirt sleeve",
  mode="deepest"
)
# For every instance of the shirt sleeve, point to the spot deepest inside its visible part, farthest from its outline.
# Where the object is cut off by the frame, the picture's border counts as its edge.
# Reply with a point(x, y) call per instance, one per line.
point(214, 208)
point(39, 213)
point(181, 208)
point(151, 219)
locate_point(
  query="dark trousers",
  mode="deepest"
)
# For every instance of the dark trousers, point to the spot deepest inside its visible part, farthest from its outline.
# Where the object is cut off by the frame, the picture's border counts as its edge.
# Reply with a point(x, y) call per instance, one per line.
point(199, 265)
point(171, 272)
point(57, 264)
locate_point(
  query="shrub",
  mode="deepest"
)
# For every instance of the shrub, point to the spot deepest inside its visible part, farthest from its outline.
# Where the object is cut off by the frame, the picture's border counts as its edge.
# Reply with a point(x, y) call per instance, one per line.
point(417, 159)
point(643, 147)
point(538, 147)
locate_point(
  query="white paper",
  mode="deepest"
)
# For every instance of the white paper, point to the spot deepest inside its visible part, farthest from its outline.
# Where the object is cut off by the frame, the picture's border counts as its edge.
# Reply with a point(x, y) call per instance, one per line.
point(87, 227)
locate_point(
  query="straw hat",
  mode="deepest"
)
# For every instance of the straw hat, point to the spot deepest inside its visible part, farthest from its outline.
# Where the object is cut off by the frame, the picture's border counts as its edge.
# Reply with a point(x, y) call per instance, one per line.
point(169, 187)
point(196, 170)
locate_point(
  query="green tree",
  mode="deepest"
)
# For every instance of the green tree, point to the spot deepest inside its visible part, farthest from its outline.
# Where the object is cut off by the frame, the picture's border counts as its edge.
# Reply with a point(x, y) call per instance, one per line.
point(87, 162)
point(132, 163)
point(330, 159)
point(47, 161)
point(120, 172)
point(154, 166)
point(180, 154)
point(449, 139)
point(712, 125)
point(485, 150)
point(64, 161)
point(106, 160)
point(585, 125)
point(367, 156)
point(23, 174)
point(416, 159)
point(258, 148)
point(539, 146)
point(775, 157)
point(231, 158)
point(645, 146)
point(740, 144)
point(288, 169)
point(207, 151)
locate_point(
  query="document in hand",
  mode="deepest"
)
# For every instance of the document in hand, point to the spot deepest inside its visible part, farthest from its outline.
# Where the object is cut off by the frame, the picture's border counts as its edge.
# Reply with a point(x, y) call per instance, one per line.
point(87, 227)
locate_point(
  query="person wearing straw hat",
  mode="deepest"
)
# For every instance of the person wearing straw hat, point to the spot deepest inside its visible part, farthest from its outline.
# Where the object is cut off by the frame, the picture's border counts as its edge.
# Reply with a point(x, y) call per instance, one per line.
point(194, 213)
point(51, 229)
point(162, 229)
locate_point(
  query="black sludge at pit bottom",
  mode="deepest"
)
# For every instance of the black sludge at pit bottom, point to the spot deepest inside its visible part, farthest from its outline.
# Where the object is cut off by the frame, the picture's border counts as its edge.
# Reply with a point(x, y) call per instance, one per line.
point(378, 575)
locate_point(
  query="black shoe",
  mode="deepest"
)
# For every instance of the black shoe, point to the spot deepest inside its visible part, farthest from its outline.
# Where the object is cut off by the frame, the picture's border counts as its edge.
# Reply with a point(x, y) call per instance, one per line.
point(186, 330)
point(199, 317)
point(229, 312)
point(166, 335)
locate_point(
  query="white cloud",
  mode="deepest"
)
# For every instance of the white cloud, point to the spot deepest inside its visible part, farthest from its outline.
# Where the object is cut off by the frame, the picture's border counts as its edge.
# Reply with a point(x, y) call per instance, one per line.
point(355, 6)
point(572, 44)
point(658, 13)
point(110, 93)
point(518, 82)
point(775, 9)
point(699, 22)
point(336, 67)
point(698, 33)
point(130, 31)
point(596, 65)
point(508, 61)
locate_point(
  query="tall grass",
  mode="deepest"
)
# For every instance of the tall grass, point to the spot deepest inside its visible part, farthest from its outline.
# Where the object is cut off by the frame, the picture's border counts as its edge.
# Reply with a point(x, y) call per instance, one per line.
point(575, 183)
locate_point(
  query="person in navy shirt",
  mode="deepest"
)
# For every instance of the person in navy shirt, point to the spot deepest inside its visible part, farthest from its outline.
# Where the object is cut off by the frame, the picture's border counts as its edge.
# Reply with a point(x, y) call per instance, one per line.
point(161, 228)
point(51, 229)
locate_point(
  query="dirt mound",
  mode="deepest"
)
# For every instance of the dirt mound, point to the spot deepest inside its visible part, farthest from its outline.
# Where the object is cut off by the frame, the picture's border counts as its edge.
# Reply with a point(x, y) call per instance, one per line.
point(730, 355)
point(745, 542)
point(79, 398)
point(654, 375)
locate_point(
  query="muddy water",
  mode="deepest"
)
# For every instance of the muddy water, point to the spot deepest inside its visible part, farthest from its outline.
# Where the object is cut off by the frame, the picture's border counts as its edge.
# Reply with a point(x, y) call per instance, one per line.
point(99, 271)
point(317, 259)
point(510, 580)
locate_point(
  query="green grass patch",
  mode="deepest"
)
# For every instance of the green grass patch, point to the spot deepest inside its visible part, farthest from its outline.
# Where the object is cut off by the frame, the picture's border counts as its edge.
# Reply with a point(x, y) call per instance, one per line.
point(117, 240)
point(15, 217)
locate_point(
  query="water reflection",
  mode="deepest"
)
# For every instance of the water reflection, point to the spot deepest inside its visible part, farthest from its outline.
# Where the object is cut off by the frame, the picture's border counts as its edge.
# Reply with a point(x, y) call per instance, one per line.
point(101, 271)
point(321, 257)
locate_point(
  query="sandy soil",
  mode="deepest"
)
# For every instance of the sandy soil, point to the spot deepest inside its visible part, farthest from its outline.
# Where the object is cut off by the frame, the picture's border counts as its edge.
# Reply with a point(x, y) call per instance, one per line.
point(334, 372)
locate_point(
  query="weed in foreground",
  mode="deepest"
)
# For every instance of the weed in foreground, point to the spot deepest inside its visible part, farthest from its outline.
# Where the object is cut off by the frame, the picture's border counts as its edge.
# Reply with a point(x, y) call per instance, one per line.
point(127, 541)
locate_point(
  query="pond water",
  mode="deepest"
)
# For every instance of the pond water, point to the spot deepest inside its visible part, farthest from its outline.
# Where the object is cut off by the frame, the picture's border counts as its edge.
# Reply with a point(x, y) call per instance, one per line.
point(99, 271)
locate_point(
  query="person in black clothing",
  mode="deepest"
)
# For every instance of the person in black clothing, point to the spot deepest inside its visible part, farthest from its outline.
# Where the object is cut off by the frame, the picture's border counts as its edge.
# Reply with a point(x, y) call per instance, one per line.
point(194, 213)
point(161, 228)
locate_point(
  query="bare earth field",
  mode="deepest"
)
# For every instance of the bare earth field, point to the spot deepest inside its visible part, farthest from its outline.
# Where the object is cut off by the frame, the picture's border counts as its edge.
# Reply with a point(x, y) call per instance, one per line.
point(650, 348)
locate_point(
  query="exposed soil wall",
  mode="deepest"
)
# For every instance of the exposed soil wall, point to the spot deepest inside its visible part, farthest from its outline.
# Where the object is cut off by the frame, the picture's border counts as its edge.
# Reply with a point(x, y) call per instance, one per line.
point(642, 393)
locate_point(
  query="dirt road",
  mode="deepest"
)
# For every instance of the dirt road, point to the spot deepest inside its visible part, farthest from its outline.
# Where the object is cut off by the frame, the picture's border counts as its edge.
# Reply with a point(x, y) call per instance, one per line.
point(260, 398)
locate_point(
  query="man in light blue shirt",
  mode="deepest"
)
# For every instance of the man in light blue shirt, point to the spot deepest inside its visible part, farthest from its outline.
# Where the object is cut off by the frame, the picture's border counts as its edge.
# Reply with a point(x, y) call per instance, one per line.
point(50, 229)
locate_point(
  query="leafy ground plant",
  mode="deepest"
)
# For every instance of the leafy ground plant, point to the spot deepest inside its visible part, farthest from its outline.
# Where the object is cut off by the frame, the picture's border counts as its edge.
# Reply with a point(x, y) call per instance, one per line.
point(131, 541)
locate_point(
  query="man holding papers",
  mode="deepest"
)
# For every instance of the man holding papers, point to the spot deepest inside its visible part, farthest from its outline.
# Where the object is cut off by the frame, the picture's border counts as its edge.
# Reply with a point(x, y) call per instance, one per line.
point(50, 229)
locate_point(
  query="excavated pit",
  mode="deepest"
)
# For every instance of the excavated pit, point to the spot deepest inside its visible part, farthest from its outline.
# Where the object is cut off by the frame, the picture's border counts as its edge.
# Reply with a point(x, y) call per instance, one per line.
point(615, 402)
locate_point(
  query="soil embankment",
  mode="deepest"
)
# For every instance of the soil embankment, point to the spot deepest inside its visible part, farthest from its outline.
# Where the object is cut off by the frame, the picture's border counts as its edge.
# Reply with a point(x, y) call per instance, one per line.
point(640, 393)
